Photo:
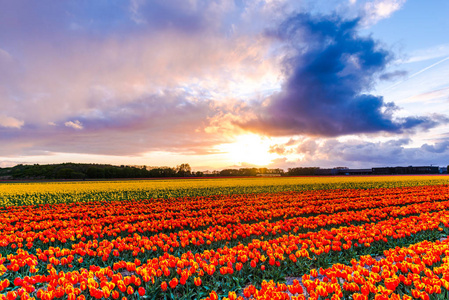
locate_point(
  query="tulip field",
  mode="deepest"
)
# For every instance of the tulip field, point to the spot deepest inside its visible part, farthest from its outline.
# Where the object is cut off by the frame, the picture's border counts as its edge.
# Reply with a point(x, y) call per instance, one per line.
point(249, 238)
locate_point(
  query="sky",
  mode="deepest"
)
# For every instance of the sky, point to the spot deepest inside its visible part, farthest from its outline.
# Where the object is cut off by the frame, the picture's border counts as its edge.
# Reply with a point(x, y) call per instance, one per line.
point(226, 83)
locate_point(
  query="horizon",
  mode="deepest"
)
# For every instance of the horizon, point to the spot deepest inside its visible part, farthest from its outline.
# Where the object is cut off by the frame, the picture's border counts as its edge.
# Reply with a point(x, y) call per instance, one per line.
point(225, 84)
point(236, 168)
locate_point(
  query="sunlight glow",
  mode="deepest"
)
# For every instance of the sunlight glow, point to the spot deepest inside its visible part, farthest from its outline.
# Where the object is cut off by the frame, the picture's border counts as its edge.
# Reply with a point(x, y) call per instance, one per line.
point(249, 148)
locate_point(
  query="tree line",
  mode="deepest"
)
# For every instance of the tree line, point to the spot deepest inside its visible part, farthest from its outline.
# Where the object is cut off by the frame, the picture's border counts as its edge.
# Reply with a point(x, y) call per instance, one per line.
point(92, 171)
point(103, 171)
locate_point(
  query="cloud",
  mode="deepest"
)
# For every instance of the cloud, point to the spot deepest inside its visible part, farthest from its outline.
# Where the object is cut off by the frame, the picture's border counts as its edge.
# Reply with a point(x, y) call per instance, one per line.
point(327, 80)
point(376, 10)
point(74, 124)
point(439, 51)
point(355, 153)
point(308, 146)
point(138, 76)
point(167, 121)
point(8, 163)
point(127, 78)
point(393, 75)
point(98, 66)
point(442, 147)
point(5, 56)
point(439, 94)
point(278, 149)
point(188, 16)
point(390, 153)
point(10, 122)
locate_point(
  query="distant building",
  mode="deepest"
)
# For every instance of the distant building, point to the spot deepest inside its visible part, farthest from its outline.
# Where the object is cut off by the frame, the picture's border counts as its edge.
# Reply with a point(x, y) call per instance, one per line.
point(343, 171)
point(269, 175)
point(326, 172)
point(406, 170)
point(148, 168)
point(355, 172)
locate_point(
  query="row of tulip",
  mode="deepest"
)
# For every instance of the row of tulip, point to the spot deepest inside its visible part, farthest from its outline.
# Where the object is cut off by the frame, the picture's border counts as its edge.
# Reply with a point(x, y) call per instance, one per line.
point(259, 259)
point(110, 249)
point(64, 224)
point(33, 193)
point(420, 271)
point(106, 252)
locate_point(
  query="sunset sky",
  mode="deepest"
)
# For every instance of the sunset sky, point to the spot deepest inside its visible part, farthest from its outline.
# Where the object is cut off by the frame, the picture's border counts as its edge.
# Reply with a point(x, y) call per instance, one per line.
point(226, 83)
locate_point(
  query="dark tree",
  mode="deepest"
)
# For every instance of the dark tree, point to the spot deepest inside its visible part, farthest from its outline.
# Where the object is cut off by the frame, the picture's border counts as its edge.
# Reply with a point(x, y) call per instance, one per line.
point(183, 170)
point(95, 172)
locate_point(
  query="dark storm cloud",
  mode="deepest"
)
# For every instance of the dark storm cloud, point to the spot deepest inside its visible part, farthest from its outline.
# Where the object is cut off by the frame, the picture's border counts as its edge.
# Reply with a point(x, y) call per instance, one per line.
point(327, 78)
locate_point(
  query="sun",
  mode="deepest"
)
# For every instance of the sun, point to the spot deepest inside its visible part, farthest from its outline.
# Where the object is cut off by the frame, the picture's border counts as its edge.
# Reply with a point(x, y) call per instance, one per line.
point(249, 148)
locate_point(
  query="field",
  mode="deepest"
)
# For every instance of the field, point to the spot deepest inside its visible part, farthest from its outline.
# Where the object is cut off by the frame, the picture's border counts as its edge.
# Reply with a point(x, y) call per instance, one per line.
point(82, 191)
point(244, 238)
